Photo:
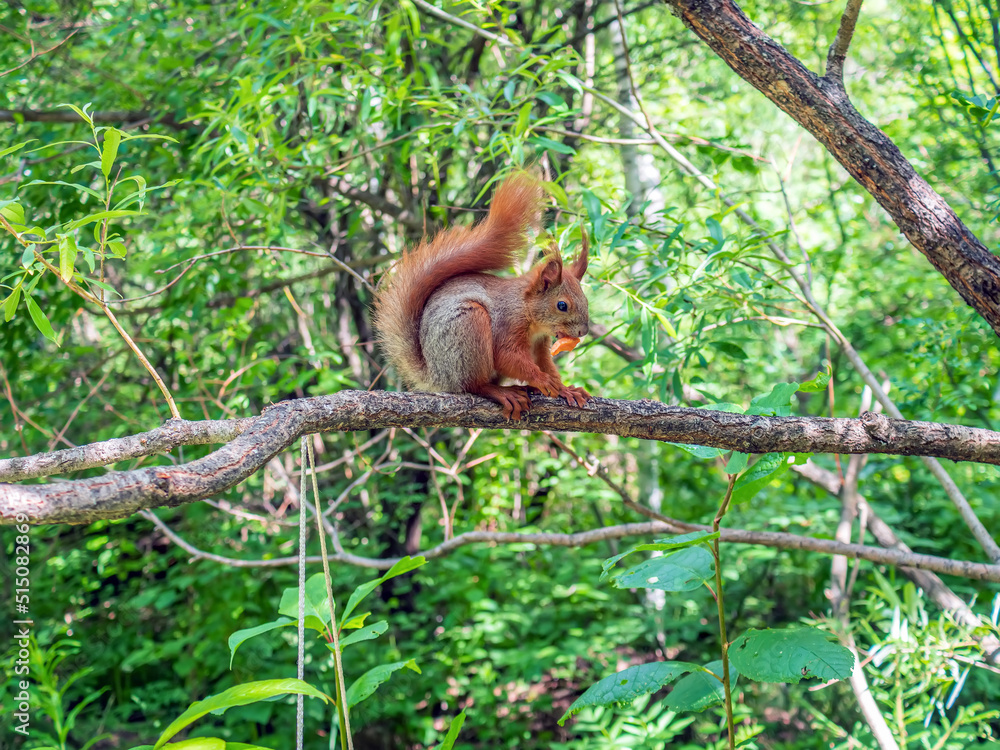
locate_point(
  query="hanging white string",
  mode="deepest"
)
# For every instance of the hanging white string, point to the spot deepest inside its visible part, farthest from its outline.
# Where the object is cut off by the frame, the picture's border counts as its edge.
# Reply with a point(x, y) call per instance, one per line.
point(300, 673)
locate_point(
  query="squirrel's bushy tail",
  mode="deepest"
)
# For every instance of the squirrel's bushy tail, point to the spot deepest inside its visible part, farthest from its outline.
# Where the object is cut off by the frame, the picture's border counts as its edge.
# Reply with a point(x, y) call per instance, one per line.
point(490, 246)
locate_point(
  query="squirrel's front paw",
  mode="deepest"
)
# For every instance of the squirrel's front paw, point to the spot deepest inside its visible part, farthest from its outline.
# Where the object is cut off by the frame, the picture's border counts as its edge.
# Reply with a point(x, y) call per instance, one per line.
point(574, 395)
point(549, 385)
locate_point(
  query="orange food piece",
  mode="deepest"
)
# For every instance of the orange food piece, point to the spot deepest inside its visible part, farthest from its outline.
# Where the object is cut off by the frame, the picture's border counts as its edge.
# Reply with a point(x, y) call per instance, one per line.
point(565, 344)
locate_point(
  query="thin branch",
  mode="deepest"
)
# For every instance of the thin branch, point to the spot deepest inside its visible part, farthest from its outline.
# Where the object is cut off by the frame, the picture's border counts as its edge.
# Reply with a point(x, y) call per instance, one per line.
point(36, 54)
point(937, 589)
point(838, 50)
point(434, 11)
point(975, 571)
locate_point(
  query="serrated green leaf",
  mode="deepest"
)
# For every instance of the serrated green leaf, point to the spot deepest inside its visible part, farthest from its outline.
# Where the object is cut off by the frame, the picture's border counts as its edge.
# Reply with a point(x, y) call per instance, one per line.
point(67, 256)
point(818, 383)
point(685, 570)
point(701, 689)
point(240, 695)
point(109, 151)
point(776, 402)
point(737, 462)
point(662, 545)
point(770, 466)
point(41, 322)
point(789, 655)
point(629, 684)
point(700, 451)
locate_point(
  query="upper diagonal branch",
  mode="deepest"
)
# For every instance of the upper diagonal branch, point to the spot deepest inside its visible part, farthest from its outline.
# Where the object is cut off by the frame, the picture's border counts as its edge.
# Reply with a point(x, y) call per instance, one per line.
point(822, 108)
point(838, 50)
point(119, 494)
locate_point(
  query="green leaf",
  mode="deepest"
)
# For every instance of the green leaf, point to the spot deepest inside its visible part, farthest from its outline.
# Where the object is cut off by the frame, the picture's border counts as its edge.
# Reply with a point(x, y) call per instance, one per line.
point(367, 633)
point(28, 256)
point(768, 467)
point(317, 607)
point(523, 119)
point(551, 98)
point(818, 383)
point(701, 689)
point(117, 248)
point(368, 683)
point(685, 570)
point(40, 321)
point(82, 112)
point(100, 216)
point(629, 684)
point(737, 462)
point(790, 654)
point(730, 349)
point(453, 729)
point(10, 304)
point(82, 188)
point(700, 451)
point(776, 402)
point(241, 636)
point(662, 545)
point(15, 147)
point(13, 212)
point(67, 256)
point(550, 145)
point(109, 152)
point(198, 743)
point(405, 565)
point(240, 695)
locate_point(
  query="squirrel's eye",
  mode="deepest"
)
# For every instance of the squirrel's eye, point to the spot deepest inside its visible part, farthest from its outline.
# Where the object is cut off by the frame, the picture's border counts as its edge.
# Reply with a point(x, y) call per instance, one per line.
point(561, 306)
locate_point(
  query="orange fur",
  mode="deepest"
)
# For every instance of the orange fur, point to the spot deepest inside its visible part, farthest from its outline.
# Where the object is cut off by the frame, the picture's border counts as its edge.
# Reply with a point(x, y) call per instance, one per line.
point(490, 246)
point(448, 326)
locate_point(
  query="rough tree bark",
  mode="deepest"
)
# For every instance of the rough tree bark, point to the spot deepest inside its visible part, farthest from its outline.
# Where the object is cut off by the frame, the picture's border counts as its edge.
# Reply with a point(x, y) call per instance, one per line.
point(256, 440)
point(821, 106)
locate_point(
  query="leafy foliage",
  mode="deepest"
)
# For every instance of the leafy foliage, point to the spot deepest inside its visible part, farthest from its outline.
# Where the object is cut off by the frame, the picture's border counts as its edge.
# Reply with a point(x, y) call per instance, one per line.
point(209, 161)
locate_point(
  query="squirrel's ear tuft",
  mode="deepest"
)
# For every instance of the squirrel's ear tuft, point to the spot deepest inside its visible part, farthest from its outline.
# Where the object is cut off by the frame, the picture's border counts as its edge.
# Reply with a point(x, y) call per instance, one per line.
point(549, 274)
point(579, 266)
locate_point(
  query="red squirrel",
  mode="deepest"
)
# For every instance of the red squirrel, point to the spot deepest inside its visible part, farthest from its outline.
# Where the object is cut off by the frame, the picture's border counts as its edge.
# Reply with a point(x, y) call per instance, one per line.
point(448, 326)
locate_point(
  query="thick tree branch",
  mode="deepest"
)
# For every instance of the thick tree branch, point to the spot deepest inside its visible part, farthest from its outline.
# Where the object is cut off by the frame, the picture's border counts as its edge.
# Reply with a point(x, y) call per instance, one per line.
point(821, 107)
point(119, 494)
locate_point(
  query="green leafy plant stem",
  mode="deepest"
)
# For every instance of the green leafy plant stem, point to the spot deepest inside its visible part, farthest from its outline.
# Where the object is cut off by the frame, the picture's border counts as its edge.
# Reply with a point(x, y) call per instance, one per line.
point(730, 725)
point(174, 413)
point(346, 741)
